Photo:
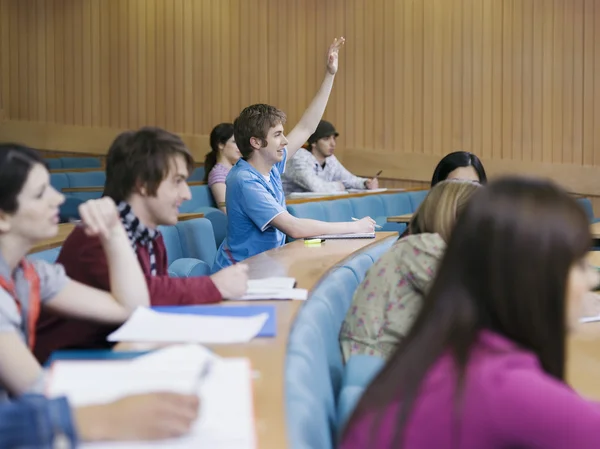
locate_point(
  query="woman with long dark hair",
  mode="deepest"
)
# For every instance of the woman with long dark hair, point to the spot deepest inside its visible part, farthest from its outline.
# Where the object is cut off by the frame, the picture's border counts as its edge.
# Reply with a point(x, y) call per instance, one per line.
point(223, 155)
point(28, 215)
point(459, 165)
point(484, 364)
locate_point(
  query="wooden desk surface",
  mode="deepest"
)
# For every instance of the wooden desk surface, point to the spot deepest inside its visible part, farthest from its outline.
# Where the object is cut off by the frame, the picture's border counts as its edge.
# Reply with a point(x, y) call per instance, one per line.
point(64, 229)
point(400, 218)
point(267, 355)
point(349, 195)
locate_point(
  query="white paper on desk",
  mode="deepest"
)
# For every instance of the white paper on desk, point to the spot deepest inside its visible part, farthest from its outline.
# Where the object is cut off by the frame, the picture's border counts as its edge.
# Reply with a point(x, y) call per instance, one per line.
point(160, 327)
point(367, 191)
point(358, 235)
point(589, 319)
point(269, 285)
point(226, 419)
point(300, 294)
point(174, 369)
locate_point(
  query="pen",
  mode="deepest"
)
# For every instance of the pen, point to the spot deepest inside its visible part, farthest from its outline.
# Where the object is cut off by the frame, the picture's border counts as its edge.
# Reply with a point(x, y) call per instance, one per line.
point(356, 219)
point(378, 173)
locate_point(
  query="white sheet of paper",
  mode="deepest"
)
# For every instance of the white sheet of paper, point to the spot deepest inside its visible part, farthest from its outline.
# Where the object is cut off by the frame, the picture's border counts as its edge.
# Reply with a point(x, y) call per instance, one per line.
point(272, 284)
point(174, 369)
point(300, 294)
point(367, 191)
point(589, 319)
point(226, 419)
point(159, 327)
point(358, 235)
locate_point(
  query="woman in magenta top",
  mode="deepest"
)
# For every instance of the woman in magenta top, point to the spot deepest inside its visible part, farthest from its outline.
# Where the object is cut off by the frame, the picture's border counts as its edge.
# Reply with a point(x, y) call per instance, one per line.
point(483, 366)
point(223, 155)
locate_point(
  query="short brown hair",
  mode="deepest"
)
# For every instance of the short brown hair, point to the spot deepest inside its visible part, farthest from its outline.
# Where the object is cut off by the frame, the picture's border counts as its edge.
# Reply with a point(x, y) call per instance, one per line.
point(255, 121)
point(142, 157)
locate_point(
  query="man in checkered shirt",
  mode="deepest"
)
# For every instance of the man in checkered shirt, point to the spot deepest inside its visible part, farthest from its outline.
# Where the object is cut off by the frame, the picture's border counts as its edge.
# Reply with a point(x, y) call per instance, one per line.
point(316, 169)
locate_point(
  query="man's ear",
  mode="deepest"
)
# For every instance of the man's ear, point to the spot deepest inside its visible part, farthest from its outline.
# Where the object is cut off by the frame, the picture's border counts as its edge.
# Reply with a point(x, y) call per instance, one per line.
point(5, 224)
point(141, 189)
point(256, 143)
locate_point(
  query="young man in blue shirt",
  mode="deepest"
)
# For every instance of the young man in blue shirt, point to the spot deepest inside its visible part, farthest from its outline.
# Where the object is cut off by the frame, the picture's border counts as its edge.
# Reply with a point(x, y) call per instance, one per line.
point(257, 219)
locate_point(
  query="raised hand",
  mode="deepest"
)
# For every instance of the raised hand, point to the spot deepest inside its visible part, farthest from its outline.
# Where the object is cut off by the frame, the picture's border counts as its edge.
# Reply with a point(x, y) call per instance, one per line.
point(333, 55)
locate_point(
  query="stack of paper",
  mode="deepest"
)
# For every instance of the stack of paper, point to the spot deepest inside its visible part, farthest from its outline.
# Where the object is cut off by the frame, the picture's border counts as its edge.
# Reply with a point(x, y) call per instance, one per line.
point(367, 191)
point(226, 417)
point(358, 235)
point(149, 326)
point(274, 288)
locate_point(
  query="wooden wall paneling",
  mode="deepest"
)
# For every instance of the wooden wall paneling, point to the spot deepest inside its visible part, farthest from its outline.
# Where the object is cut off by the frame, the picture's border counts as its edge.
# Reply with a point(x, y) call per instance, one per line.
point(589, 37)
point(512, 80)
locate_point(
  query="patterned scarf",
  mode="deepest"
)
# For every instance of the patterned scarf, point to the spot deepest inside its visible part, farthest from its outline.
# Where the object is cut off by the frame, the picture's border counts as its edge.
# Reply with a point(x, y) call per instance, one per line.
point(138, 233)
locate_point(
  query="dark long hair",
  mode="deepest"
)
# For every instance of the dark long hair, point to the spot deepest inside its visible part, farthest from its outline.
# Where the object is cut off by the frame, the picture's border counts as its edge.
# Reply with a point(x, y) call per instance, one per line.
point(455, 160)
point(16, 161)
point(505, 270)
point(219, 135)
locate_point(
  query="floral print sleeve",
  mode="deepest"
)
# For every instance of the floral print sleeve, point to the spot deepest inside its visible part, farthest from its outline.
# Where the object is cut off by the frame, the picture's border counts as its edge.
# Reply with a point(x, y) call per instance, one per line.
point(387, 301)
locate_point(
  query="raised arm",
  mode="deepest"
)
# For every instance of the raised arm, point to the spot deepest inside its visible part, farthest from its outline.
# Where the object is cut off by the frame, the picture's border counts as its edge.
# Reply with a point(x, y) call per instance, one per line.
point(128, 288)
point(311, 117)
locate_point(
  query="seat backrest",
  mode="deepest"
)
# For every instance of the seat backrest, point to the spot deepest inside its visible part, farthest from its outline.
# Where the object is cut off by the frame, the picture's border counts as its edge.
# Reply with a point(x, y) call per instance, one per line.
point(70, 209)
point(59, 181)
point(197, 239)
point(53, 163)
point(397, 204)
point(416, 198)
point(197, 174)
point(314, 367)
point(338, 210)
point(172, 241)
point(86, 179)
point(371, 206)
point(80, 162)
point(201, 197)
point(312, 210)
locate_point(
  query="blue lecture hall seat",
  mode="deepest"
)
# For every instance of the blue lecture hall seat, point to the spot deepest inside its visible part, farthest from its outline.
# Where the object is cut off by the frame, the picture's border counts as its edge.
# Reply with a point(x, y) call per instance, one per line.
point(314, 372)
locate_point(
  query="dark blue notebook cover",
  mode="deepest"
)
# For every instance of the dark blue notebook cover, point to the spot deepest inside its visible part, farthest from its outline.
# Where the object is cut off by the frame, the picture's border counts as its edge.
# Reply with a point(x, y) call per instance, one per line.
point(269, 329)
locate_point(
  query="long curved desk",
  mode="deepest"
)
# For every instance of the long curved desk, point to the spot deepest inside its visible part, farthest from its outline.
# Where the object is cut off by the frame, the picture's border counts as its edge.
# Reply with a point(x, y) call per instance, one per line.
point(308, 265)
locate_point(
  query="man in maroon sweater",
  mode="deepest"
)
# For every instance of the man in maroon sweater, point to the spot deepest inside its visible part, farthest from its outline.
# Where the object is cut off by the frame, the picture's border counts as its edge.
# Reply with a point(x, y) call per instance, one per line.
point(146, 174)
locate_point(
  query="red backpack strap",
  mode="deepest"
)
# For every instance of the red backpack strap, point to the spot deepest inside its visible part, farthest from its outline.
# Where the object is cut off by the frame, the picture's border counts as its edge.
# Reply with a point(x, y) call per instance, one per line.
point(35, 302)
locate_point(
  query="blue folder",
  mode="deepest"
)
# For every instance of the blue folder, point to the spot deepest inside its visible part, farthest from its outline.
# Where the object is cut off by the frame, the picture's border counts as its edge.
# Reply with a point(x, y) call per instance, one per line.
point(92, 354)
point(269, 329)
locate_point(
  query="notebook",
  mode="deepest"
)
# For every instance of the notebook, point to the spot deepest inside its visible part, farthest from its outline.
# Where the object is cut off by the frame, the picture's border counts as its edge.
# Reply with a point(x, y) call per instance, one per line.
point(226, 418)
point(146, 325)
point(359, 235)
point(367, 191)
point(269, 329)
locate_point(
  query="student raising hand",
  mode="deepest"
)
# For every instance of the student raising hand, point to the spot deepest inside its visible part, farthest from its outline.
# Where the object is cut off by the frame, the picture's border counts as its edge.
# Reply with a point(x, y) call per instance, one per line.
point(333, 55)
